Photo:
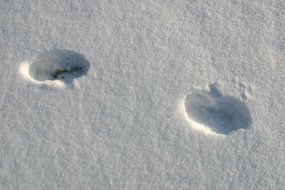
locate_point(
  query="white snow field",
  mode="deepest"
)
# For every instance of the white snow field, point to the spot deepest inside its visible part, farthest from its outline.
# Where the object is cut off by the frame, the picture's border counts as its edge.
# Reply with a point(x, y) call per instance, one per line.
point(140, 94)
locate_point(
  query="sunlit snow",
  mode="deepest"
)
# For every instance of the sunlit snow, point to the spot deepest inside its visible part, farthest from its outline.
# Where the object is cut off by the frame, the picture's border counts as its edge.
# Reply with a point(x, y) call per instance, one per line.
point(142, 94)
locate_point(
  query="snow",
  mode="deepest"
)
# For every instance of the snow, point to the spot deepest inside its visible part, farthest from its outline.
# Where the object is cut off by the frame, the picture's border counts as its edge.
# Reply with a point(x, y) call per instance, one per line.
point(123, 124)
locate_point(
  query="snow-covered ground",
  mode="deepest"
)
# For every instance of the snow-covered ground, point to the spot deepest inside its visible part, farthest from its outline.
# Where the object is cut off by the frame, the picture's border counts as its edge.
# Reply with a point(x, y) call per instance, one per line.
point(140, 94)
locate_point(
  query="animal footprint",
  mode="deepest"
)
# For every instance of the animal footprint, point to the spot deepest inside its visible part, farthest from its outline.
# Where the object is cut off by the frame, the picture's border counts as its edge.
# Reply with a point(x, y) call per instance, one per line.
point(244, 89)
point(214, 113)
point(59, 65)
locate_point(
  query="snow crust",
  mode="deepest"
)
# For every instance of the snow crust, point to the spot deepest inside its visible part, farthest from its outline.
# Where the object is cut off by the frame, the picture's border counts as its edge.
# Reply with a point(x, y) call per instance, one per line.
point(124, 124)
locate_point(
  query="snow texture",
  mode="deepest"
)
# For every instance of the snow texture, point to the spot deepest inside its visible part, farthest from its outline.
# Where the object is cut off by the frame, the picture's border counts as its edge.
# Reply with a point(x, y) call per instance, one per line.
point(123, 124)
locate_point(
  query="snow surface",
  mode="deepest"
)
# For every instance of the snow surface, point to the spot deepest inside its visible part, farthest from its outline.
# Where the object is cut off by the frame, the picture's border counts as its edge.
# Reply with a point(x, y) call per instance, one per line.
point(121, 125)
